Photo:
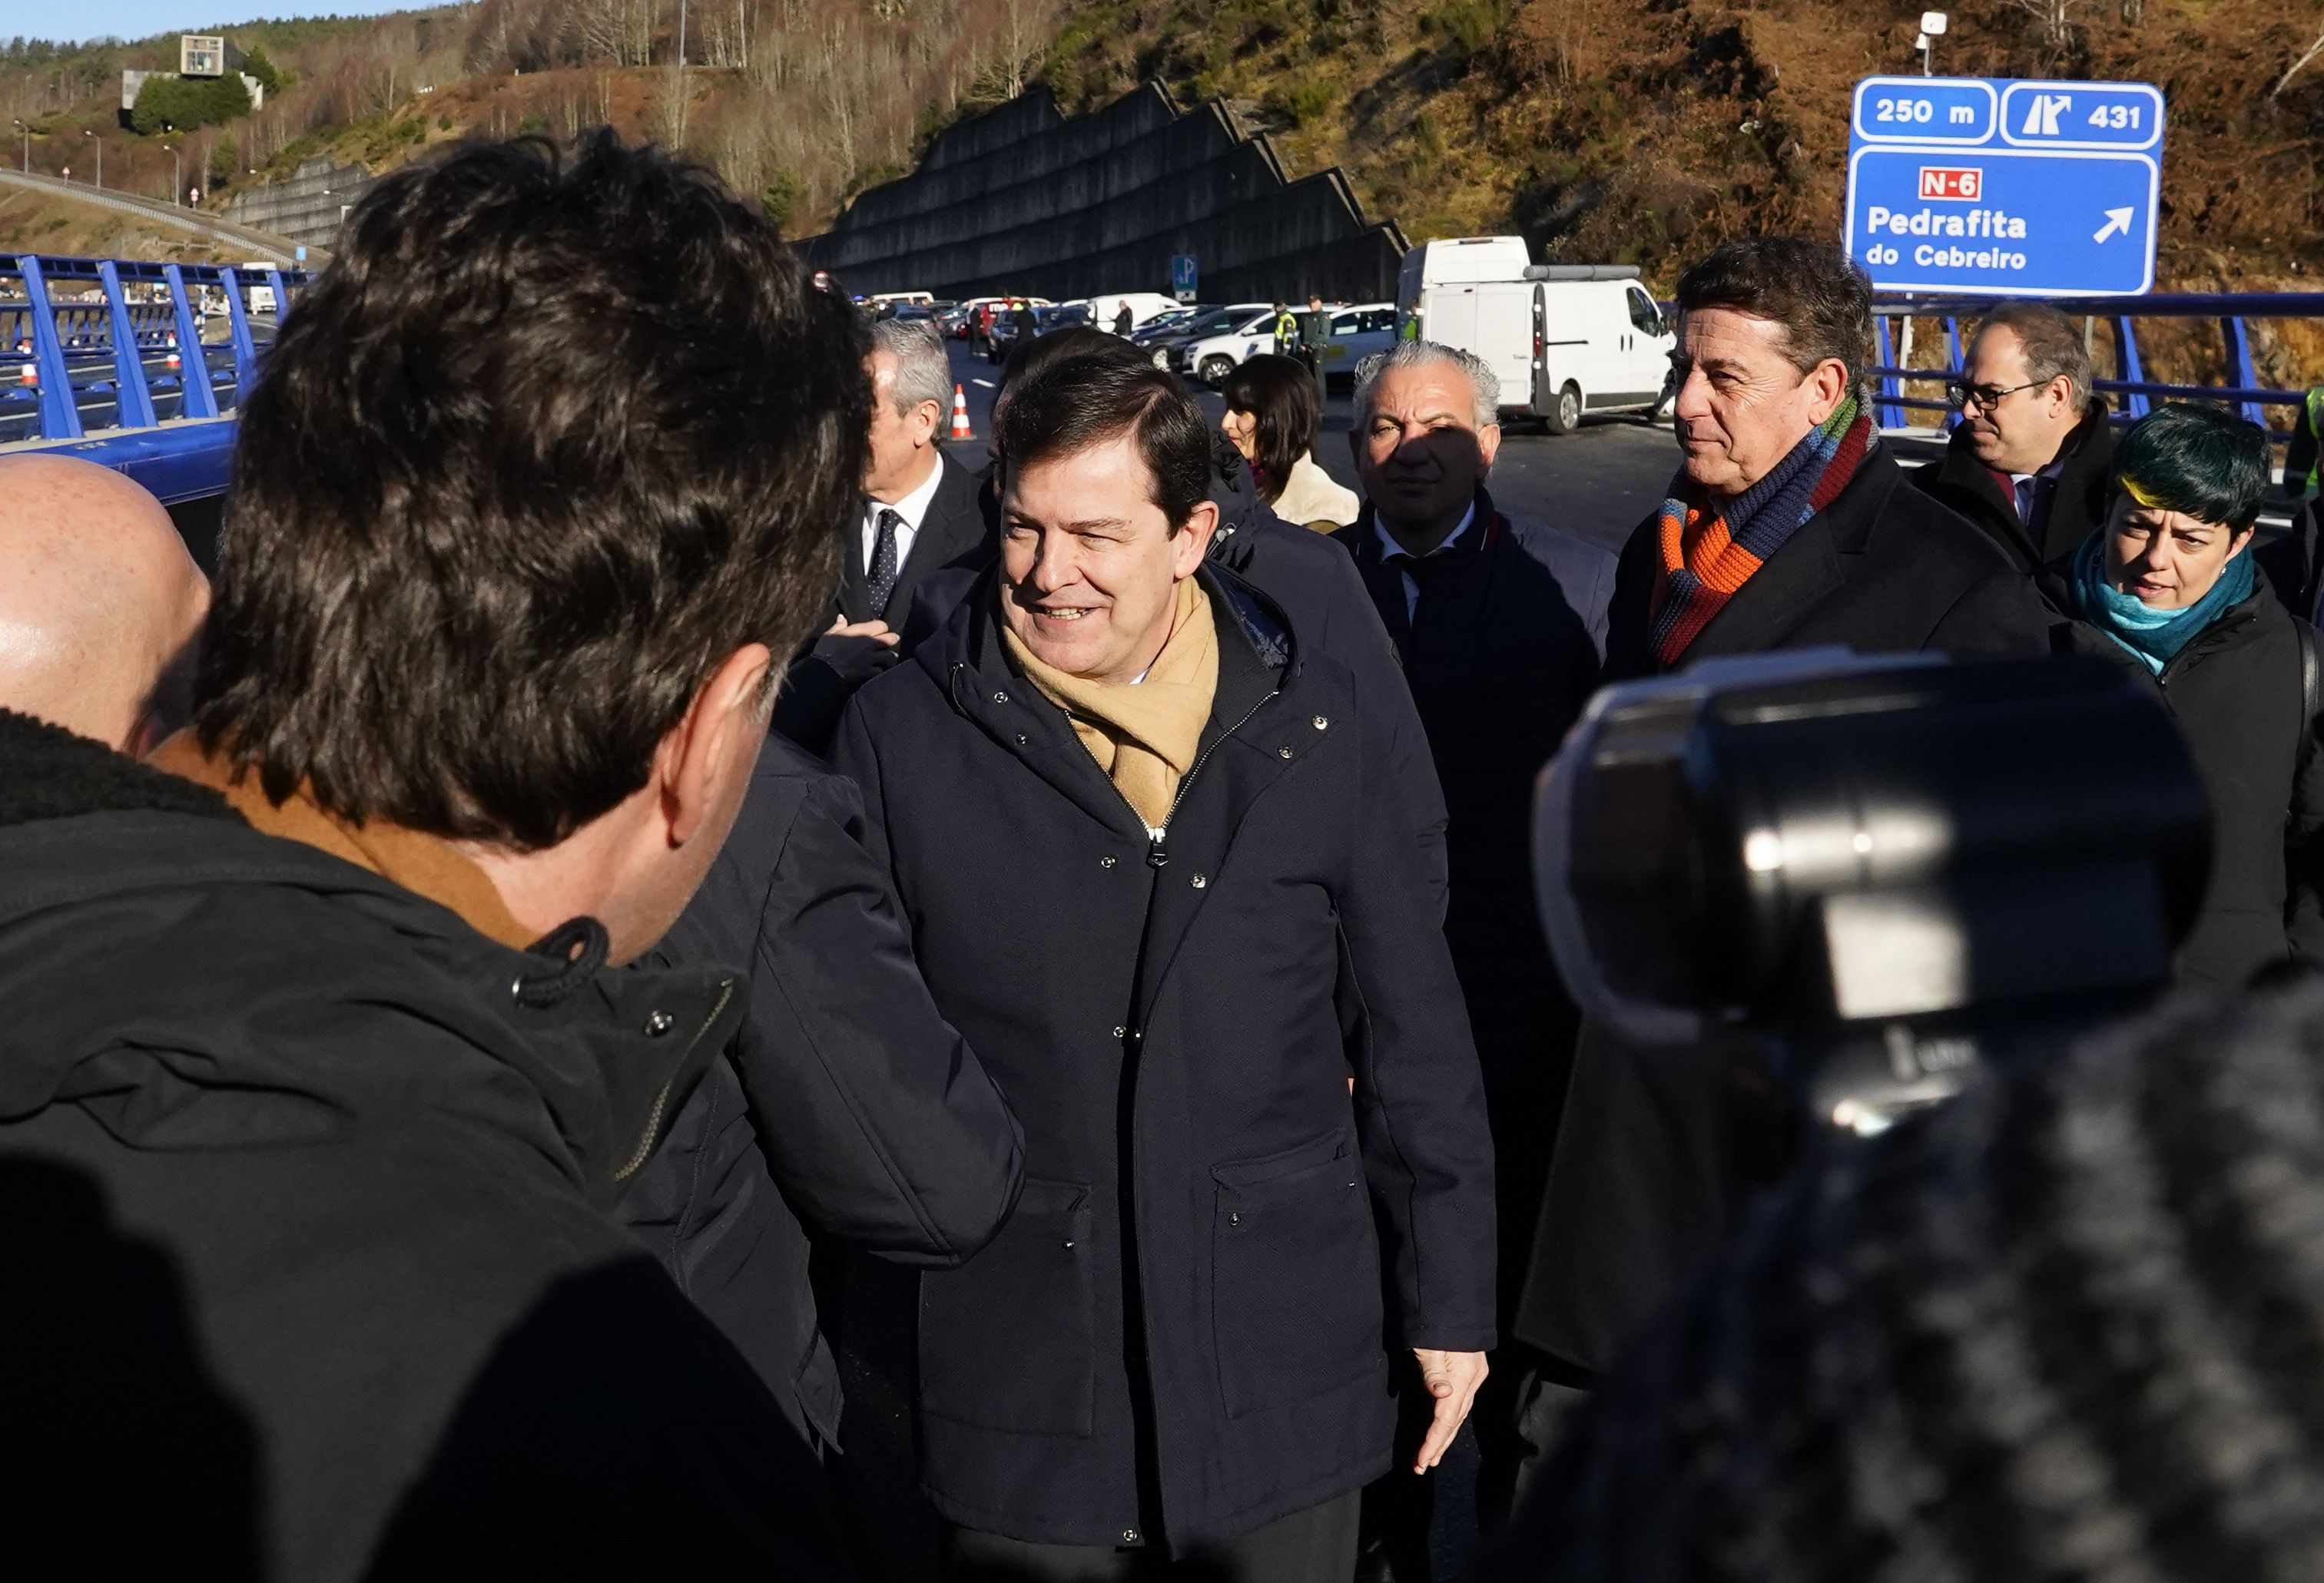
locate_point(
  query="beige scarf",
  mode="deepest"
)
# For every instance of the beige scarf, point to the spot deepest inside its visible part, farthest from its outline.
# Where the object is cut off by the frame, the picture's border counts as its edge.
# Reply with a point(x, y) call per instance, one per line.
point(1144, 737)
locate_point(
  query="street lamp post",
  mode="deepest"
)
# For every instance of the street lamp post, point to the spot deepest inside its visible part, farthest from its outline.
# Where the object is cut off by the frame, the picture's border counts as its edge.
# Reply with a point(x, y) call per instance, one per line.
point(100, 154)
point(681, 35)
point(176, 177)
point(28, 145)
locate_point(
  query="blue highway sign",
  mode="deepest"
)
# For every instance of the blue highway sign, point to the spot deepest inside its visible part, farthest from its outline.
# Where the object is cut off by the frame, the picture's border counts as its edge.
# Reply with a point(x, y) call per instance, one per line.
point(1989, 187)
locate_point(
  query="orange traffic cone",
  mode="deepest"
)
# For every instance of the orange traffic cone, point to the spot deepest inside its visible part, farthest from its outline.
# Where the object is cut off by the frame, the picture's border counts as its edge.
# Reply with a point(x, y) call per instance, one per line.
point(960, 430)
point(30, 376)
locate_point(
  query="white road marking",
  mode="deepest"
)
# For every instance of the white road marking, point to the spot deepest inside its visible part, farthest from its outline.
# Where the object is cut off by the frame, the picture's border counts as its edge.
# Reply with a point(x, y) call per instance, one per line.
point(982, 384)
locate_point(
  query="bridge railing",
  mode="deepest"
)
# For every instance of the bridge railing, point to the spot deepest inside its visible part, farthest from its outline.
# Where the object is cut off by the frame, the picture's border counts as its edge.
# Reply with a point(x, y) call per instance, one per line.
point(142, 363)
point(2135, 392)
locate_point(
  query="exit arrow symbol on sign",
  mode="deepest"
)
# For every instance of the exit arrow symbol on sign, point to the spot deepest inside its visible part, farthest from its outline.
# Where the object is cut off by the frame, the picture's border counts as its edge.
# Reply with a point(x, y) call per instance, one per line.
point(2117, 220)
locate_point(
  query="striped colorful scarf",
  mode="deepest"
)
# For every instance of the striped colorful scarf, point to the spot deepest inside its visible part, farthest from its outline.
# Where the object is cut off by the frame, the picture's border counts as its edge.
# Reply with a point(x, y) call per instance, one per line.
point(1703, 568)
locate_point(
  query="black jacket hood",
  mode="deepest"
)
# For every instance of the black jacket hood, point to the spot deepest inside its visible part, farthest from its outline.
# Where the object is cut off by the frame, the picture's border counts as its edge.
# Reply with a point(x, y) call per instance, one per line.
point(192, 984)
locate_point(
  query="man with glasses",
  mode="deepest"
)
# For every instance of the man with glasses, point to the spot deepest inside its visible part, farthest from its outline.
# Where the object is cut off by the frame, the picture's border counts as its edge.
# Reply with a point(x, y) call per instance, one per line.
point(2033, 450)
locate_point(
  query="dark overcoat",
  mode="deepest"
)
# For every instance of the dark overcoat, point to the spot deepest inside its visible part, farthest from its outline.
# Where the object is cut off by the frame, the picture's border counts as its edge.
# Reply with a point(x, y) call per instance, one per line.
point(311, 1271)
point(2250, 723)
point(2077, 503)
point(1181, 1329)
point(1638, 1184)
point(1500, 657)
point(825, 675)
point(842, 1105)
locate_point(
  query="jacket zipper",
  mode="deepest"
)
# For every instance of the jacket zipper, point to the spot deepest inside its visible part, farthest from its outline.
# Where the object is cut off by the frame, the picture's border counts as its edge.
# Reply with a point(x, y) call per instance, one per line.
point(662, 1100)
point(1156, 857)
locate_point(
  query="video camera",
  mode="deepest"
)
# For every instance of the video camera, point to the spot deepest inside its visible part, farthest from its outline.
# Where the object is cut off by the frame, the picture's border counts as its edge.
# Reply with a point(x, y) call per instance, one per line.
point(1883, 870)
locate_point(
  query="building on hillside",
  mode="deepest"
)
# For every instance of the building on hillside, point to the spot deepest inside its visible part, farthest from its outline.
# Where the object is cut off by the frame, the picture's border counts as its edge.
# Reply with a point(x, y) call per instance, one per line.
point(200, 55)
point(1024, 200)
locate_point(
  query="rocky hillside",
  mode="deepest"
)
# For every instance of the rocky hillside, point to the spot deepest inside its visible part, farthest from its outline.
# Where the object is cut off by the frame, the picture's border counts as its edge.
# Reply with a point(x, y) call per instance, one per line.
point(1642, 131)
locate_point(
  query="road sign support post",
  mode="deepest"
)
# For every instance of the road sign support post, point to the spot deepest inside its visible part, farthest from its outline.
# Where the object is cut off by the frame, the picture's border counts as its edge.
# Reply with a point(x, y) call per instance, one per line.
point(59, 414)
point(2127, 366)
point(1891, 415)
point(131, 393)
point(2240, 375)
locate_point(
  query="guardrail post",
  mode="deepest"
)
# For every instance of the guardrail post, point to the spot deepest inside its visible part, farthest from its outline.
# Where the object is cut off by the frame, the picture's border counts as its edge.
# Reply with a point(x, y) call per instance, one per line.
point(59, 414)
point(199, 399)
point(2239, 367)
point(245, 351)
point(1955, 361)
point(2126, 368)
point(1888, 413)
point(130, 390)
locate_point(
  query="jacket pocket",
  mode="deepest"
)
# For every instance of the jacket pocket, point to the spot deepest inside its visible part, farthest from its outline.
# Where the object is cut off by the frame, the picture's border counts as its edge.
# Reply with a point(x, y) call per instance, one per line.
point(1294, 1276)
point(1008, 1339)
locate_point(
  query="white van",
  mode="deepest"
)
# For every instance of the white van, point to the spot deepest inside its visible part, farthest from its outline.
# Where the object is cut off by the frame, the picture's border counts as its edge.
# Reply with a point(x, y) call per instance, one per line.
point(1564, 339)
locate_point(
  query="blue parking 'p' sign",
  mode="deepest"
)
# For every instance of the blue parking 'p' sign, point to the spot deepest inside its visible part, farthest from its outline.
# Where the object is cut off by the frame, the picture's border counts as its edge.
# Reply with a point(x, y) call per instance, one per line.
point(1181, 276)
point(2005, 187)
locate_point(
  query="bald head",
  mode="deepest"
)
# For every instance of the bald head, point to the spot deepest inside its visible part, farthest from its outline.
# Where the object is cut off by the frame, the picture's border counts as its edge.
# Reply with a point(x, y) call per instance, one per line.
point(99, 603)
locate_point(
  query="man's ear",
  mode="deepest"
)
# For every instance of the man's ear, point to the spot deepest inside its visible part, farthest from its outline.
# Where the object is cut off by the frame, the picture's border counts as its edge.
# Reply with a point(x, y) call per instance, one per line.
point(1826, 388)
point(1193, 540)
point(930, 422)
point(727, 719)
point(1488, 446)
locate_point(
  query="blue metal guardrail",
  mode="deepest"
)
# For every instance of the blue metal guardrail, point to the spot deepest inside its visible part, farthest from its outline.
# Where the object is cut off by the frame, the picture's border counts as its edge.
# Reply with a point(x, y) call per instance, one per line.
point(108, 356)
point(2134, 391)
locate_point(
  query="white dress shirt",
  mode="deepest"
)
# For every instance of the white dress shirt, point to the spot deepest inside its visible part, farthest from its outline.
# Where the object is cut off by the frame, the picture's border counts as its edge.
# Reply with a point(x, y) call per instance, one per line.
point(913, 508)
point(1391, 551)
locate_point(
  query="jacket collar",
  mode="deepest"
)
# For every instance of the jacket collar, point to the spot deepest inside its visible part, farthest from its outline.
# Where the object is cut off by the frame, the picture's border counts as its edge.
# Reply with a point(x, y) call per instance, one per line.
point(1817, 558)
point(601, 1058)
point(968, 662)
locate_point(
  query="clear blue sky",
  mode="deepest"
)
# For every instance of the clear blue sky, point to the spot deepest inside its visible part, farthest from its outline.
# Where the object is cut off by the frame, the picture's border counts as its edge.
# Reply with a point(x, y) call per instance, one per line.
point(138, 19)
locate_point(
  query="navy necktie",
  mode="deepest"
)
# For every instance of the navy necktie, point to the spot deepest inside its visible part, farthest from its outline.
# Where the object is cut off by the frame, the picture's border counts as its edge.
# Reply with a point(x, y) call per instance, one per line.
point(881, 583)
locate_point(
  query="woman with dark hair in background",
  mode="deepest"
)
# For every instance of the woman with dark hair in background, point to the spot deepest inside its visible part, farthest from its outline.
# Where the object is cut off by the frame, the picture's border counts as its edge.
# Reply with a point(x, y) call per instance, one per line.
point(1272, 415)
point(2169, 582)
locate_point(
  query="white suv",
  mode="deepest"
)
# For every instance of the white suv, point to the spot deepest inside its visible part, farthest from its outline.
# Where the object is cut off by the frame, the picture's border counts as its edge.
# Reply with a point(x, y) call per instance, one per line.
point(1225, 340)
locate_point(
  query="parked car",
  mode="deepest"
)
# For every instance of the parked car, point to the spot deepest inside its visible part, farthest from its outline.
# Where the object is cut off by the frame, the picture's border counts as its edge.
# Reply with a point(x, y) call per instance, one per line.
point(1046, 317)
point(1211, 346)
point(1356, 333)
point(1565, 339)
point(1162, 327)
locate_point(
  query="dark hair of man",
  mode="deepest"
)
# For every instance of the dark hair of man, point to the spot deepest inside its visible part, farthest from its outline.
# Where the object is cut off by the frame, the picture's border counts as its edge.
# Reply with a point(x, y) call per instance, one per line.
point(1279, 395)
point(1812, 289)
point(2065, 1326)
point(553, 436)
point(1068, 406)
point(2208, 463)
point(2052, 342)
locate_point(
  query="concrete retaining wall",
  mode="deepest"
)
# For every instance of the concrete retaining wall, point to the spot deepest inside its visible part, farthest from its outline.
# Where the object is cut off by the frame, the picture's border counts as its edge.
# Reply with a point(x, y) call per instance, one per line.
point(306, 206)
point(1023, 200)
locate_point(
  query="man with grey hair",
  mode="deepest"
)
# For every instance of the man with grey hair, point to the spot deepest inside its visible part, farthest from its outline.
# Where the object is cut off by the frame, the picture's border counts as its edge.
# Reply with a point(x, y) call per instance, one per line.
point(1500, 625)
point(2031, 460)
point(921, 513)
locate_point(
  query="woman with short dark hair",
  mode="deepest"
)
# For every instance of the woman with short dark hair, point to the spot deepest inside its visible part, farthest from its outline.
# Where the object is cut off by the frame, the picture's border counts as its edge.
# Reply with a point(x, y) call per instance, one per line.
point(1272, 415)
point(2169, 582)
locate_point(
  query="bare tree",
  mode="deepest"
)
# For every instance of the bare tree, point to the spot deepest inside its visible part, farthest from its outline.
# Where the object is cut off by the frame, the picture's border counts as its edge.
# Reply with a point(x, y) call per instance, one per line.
point(2293, 70)
point(2056, 17)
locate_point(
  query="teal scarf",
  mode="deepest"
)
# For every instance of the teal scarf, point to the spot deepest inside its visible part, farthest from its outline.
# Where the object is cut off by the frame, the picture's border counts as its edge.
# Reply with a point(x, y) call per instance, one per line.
point(2155, 636)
